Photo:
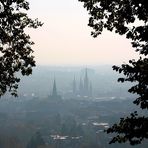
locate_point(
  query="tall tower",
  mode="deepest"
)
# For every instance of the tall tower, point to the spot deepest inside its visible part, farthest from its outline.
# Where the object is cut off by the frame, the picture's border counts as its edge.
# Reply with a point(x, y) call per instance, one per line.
point(74, 86)
point(54, 90)
point(54, 94)
point(81, 87)
point(86, 83)
point(85, 87)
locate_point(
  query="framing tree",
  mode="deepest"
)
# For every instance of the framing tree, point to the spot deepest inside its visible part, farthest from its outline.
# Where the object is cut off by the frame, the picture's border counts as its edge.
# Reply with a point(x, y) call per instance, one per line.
point(15, 45)
point(120, 16)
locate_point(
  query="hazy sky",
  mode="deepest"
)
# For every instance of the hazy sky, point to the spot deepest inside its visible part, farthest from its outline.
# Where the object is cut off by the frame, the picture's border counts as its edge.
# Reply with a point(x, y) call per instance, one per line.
point(65, 37)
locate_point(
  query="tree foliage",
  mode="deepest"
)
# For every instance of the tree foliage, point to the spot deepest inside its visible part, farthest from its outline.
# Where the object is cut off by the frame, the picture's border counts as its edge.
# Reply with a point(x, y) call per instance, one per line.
point(15, 44)
point(121, 16)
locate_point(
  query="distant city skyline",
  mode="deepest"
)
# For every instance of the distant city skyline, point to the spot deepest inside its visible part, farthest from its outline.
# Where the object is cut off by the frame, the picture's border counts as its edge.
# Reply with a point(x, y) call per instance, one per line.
point(65, 37)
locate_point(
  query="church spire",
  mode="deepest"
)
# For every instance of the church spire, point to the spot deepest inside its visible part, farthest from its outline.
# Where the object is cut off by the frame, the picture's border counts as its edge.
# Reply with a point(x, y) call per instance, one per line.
point(54, 91)
point(54, 95)
point(80, 89)
point(86, 76)
point(81, 84)
point(74, 86)
point(86, 82)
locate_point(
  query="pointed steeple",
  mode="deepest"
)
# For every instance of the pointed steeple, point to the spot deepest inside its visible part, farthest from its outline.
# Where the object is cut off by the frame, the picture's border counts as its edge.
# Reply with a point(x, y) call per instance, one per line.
point(54, 90)
point(54, 95)
point(74, 86)
point(86, 77)
point(80, 91)
point(81, 85)
point(86, 82)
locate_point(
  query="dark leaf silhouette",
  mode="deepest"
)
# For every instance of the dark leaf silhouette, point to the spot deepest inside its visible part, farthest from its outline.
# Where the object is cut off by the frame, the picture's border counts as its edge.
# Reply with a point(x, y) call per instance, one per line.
point(120, 17)
point(15, 45)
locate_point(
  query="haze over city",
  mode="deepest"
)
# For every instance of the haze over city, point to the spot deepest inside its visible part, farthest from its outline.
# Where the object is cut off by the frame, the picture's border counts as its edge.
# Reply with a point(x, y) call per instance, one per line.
point(70, 90)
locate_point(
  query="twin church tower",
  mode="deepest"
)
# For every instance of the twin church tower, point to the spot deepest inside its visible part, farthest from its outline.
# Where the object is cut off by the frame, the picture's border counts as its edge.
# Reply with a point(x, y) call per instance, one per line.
point(84, 89)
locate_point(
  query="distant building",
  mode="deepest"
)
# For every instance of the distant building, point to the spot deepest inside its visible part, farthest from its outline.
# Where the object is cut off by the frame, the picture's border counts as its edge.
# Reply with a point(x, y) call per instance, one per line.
point(86, 90)
point(74, 89)
point(54, 94)
point(85, 86)
point(80, 90)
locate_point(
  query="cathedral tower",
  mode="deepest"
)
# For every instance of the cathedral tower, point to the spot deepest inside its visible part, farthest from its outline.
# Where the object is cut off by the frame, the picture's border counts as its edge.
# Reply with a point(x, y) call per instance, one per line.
point(86, 84)
point(54, 94)
point(74, 86)
point(54, 90)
